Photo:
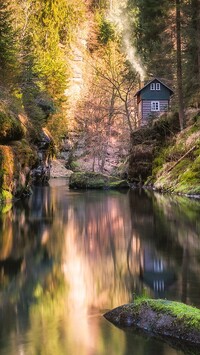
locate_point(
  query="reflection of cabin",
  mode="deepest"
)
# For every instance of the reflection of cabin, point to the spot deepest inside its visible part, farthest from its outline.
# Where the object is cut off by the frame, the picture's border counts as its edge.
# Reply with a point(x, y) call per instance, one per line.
point(155, 273)
point(152, 100)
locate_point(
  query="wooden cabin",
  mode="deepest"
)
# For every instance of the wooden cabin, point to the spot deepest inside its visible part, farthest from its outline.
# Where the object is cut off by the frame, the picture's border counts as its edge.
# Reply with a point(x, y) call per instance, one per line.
point(152, 100)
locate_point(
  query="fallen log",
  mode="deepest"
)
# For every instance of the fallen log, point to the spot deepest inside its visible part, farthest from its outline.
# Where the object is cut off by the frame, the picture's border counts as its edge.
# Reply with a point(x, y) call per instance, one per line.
point(183, 157)
point(160, 318)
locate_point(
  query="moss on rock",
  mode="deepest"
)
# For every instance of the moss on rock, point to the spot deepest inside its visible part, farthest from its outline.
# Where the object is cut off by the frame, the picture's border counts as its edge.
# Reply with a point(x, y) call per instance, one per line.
point(10, 126)
point(180, 177)
point(16, 161)
point(91, 180)
point(162, 318)
point(145, 143)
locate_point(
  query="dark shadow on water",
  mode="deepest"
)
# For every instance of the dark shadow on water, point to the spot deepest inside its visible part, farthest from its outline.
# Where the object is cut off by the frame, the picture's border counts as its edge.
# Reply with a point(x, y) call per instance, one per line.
point(147, 337)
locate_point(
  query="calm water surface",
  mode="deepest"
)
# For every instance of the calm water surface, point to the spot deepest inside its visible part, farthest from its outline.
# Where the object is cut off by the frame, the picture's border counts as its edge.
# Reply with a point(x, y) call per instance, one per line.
point(67, 257)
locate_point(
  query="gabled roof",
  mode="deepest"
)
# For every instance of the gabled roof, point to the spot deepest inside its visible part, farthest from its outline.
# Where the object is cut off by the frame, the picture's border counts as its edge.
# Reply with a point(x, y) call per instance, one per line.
point(151, 81)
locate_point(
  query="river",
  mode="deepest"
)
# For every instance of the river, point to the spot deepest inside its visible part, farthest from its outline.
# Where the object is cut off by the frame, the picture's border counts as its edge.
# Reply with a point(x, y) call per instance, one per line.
point(66, 257)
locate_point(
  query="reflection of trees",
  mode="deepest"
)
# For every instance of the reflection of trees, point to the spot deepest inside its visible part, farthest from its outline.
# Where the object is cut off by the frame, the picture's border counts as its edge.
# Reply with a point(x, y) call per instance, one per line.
point(94, 227)
point(169, 226)
point(26, 255)
point(99, 244)
point(103, 240)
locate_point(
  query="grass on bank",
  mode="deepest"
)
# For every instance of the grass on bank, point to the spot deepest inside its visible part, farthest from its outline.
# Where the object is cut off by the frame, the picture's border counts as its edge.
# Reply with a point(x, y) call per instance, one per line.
point(182, 177)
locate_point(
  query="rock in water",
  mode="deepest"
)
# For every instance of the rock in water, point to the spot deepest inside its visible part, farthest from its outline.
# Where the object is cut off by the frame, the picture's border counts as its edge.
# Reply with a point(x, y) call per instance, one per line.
point(163, 319)
point(91, 180)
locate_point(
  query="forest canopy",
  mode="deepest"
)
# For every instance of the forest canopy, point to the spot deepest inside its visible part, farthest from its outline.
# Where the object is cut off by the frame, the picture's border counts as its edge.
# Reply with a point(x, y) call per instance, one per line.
point(36, 45)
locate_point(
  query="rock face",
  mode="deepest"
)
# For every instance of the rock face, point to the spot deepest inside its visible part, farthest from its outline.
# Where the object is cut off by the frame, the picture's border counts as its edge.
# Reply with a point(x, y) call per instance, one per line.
point(16, 160)
point(158, 318)
point(90, 180)
point(58, 169)
point(145, 142)
point(44, 147)
point(21, 162)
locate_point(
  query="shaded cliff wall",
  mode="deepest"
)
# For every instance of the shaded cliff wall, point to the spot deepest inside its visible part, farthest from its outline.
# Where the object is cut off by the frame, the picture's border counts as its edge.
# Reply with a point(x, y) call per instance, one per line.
point(24, 154)
point(145, 144)
point(17, 156)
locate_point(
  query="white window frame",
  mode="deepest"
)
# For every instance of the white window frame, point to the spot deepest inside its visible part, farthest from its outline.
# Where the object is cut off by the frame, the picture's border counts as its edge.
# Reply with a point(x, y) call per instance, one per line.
point(157, 86)
point(152, 86)
point(155, 106)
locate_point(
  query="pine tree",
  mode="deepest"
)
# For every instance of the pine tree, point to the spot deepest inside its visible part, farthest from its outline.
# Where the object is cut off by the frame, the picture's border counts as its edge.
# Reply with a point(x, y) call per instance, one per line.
point(8, 44)
point(179, 65)
point(191, 33)
point(152, 35)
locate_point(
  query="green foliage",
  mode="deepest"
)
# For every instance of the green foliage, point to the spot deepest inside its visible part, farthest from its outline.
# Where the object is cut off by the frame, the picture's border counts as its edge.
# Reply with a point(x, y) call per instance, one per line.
point(149, 23)
point(106, 32)
point(5, 195)
point(57, 125)
point(100, 4)
point(154, 36)
point(170, 174)
point(25, 153)
point(8, 44)
point(10, 127)
point(158, 164)
point(191, 33)
point(74, 165)
point(90, 180)
point(4, 207)
point(46, 30)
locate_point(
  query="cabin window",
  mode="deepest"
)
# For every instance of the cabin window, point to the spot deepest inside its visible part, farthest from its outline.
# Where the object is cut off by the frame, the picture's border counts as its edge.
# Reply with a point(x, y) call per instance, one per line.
point(155, 106)
point(152, 86)
point(158, 265)
point(157, 86)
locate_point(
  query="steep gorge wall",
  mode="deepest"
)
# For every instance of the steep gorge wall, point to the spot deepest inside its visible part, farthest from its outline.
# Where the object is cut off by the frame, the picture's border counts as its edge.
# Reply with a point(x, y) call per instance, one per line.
point(22, 160)
point(16, 156)
point(145, 144)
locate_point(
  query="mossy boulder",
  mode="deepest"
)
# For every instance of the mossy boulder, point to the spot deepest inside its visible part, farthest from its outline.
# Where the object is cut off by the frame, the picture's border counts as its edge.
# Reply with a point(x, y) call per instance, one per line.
point(91, 180)
point(160, 318)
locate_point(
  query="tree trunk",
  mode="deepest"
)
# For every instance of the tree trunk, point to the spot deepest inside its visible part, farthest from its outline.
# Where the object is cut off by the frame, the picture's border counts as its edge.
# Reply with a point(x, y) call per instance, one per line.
point(179, 65)
point(198, 38)
point(108, 129)
point(128, 116)
point(195, 4)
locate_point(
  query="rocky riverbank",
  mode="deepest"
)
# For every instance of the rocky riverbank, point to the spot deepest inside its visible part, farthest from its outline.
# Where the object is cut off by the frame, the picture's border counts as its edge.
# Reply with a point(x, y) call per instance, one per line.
point(23, 160)
point(165, 159)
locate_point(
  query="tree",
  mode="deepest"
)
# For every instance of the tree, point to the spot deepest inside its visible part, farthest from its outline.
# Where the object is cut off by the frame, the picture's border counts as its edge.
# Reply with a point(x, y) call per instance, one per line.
point(46, 30)
point(152, 35)
point(95, 121)
point(166, 35)
point(179, 65)
point(120, 81)
point(8, 44)
point(191, 62)
point(106, 115)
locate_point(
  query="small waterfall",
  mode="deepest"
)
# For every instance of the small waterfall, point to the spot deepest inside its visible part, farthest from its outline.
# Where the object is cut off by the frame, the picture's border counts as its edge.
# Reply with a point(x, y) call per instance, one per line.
point(119, 17)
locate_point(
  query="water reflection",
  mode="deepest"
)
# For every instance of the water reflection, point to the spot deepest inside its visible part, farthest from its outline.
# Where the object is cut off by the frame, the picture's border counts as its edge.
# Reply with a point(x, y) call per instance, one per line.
point(66, 256)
